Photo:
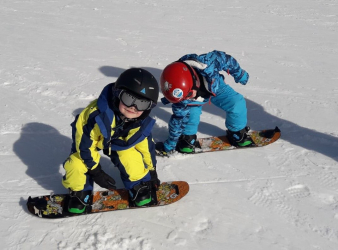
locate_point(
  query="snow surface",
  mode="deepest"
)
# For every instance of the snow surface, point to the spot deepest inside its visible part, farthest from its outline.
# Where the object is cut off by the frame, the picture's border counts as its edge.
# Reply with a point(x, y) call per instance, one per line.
point(56, 56)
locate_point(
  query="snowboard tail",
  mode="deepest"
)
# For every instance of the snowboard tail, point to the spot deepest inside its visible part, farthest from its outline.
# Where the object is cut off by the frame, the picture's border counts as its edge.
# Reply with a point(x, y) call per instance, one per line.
point(55, 206)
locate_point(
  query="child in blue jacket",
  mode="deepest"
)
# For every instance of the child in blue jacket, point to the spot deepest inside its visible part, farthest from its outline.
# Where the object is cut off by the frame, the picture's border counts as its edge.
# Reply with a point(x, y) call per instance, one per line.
point(191, 82)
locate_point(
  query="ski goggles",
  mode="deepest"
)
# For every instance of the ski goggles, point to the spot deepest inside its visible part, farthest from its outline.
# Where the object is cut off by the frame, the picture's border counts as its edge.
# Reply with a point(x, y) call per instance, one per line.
point(130, 100)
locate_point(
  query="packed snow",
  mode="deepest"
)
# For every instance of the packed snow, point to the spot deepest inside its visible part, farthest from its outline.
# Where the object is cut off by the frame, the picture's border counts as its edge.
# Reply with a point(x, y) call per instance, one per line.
point(56, 56)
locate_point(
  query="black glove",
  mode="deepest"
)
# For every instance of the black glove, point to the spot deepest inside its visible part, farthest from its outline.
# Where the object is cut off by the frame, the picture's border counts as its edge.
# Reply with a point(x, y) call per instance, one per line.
point(154, 179)
point(106, 151)
point(101, 178)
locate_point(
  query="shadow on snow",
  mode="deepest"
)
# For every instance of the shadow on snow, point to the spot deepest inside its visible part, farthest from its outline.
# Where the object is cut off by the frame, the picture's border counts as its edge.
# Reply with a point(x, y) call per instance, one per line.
point(43, 149)
point(258, 119)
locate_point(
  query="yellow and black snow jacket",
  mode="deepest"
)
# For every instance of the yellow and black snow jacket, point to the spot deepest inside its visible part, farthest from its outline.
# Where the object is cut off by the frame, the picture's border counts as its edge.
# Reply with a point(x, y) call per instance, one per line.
point(98, 127)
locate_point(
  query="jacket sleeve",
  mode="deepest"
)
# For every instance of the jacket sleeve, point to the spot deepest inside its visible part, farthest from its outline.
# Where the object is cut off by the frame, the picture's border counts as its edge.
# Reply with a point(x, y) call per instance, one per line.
point(135, 162)
point(87, 139)
point(147, 149)
point(177, 123)
point(217, 61)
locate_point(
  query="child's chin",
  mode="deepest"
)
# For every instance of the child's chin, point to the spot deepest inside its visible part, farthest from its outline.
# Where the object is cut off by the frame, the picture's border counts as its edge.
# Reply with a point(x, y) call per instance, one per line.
point(131, 116)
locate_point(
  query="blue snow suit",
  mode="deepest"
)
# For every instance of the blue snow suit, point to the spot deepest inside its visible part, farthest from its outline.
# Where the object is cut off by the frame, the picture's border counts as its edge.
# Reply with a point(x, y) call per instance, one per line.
point(186, 114)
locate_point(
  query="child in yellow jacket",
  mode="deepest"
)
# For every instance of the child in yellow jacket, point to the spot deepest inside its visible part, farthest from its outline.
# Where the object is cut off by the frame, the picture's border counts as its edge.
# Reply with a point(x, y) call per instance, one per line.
point(117, 122)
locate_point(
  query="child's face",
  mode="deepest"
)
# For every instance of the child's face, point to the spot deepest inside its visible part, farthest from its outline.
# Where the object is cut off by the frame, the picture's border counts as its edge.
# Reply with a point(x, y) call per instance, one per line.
point(129, 112)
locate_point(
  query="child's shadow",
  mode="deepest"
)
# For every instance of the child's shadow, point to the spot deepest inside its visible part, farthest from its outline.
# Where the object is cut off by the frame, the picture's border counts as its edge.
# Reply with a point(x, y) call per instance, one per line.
point(43, 150)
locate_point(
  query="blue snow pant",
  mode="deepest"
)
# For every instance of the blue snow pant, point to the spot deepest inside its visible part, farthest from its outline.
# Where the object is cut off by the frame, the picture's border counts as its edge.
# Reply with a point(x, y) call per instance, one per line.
point(228, 100)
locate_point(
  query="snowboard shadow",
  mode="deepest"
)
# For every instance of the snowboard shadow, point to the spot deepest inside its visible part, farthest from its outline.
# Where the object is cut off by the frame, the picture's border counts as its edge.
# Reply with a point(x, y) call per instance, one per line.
point(306, 138)
point(258, 119)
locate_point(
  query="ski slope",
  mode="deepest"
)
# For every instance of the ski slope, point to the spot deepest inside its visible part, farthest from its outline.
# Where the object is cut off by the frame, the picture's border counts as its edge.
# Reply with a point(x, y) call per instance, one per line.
point(56, 56)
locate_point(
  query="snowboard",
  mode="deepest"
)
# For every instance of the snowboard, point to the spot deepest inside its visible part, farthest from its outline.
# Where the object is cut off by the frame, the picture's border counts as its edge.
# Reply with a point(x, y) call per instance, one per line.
point(259, 138)
point(55, 205)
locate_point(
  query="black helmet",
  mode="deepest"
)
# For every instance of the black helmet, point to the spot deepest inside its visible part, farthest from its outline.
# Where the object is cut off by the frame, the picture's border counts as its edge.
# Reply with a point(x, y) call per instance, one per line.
point(140, 82)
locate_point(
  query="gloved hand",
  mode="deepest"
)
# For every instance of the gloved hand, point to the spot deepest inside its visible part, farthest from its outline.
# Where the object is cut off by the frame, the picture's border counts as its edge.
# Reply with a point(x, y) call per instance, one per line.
point(244, 77)
point(160, 149)
point(154, 179)
point(164, 101)
point(106, 151)
point(101, 178)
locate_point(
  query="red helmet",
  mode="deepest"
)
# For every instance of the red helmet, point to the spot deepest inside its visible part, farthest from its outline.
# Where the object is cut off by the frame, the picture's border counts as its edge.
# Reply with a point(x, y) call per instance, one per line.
point(177, 81)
